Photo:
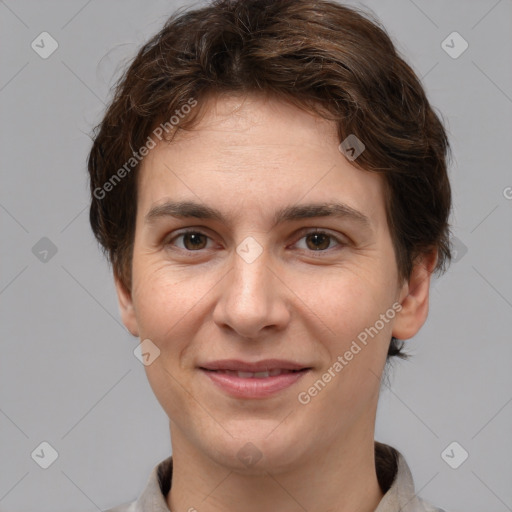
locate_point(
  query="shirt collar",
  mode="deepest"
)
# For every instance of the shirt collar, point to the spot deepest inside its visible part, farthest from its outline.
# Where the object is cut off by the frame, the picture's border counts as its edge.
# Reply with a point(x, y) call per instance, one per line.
point(393, 474)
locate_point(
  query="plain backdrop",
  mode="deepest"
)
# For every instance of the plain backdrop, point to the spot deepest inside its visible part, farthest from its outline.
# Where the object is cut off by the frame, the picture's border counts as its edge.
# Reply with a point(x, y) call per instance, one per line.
point(68, 375)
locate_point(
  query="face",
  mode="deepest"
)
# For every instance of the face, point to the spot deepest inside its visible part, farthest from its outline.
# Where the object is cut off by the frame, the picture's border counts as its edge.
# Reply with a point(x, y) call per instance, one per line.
point(271, 274)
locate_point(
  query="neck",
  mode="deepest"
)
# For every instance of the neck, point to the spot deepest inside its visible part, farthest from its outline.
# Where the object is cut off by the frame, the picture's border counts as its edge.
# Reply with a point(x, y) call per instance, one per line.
point(341, 477)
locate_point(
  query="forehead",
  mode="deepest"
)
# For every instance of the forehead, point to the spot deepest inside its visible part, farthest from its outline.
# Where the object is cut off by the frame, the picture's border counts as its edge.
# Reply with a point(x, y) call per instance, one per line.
point(254, 152)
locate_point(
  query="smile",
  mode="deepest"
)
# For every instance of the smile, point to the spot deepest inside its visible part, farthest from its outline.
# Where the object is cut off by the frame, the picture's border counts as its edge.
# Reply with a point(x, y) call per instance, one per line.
point(256, 375)
point(263, 384)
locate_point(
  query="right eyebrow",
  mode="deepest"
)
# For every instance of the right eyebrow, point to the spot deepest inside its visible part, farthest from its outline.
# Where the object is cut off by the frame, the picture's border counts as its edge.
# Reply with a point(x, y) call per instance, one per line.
point(183, 209)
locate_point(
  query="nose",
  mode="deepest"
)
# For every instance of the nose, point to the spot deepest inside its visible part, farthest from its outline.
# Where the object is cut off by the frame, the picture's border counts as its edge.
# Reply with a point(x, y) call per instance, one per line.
point(253, 298)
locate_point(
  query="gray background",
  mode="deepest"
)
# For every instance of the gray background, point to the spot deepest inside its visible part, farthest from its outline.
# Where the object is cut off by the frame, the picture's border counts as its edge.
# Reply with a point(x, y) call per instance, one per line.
point(68, 375)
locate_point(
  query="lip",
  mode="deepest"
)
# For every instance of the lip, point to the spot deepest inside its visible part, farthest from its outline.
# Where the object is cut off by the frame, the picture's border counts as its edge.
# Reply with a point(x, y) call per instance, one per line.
point(253, 387)
point(246, 366)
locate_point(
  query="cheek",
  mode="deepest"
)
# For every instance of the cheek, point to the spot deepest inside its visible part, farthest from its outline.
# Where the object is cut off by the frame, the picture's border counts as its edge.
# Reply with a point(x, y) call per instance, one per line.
point(165, 315)
point(356, 351)
point(170, 307)
point(353, 300)
point(161, 306)
point(358, 339)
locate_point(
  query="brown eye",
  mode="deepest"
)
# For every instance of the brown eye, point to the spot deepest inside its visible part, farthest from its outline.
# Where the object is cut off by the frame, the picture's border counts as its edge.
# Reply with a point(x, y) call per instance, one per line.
point(192, 241)
point(196, 241)
point(319, 241)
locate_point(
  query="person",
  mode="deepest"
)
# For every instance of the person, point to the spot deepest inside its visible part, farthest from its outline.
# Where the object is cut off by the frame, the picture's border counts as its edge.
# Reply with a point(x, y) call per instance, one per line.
point(269, 183)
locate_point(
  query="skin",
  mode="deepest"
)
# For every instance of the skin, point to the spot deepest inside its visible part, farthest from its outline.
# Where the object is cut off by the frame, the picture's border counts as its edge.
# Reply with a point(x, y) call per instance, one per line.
point(198, 300)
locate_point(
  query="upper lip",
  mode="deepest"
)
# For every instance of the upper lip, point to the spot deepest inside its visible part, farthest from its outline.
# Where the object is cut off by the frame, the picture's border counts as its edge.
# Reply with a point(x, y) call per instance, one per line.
point(259, 366)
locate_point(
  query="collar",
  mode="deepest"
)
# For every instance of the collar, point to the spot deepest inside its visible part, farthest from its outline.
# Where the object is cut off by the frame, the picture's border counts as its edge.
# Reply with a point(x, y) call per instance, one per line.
point(393, 474)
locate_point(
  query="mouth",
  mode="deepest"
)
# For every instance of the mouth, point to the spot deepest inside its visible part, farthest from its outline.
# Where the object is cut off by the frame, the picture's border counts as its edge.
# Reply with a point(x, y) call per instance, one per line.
point(253, 380)
point(256, 375)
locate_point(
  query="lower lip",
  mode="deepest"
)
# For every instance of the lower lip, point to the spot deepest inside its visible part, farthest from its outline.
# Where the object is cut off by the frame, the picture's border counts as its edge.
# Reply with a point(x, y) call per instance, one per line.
point(253, 387)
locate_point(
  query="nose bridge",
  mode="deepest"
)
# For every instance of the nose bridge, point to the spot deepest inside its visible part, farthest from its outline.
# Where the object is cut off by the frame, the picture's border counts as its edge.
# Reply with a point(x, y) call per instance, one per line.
point(250, 298)
point(250, 277)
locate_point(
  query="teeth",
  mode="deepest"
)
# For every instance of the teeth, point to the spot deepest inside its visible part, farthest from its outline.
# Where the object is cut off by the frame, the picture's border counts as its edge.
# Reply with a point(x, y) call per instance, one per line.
point(247, 375)
point(252, 375)
point(256, 375)
point(261, 375)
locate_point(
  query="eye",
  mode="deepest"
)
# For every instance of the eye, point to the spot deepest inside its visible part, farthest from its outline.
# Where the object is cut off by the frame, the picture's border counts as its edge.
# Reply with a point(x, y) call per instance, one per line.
point(192, 240)
point(319, 241)
point(316, 241)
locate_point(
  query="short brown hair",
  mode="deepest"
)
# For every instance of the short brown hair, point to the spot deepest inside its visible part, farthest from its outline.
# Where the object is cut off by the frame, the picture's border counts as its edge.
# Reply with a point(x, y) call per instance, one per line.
point(324, 57)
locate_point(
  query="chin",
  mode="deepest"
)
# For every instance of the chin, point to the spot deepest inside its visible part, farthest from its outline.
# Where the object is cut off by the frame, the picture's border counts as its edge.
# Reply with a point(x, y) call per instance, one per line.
point(259, 454)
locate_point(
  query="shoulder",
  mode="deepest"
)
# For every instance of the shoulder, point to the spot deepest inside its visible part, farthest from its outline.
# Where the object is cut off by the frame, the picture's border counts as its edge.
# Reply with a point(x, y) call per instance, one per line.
point(126, 507)
point(153, 496)
point(426, 506)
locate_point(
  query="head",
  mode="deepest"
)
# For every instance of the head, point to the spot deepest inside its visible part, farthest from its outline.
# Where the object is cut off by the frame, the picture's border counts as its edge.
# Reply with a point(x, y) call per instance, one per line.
point(249, 109)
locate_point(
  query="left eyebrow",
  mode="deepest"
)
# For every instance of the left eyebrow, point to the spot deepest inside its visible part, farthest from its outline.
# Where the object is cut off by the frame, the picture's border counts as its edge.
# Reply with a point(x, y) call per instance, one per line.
point(313, 210)
point(191, 209)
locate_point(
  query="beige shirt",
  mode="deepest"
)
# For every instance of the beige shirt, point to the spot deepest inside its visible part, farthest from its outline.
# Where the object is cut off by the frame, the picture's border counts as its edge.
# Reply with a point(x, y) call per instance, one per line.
point(393, 473)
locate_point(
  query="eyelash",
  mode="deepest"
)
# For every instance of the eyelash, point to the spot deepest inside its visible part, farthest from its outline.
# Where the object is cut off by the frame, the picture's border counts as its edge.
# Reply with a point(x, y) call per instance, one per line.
point(303, 234)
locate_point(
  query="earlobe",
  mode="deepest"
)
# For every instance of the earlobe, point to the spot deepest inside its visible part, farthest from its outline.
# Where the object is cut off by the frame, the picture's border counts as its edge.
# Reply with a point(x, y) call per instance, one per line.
point(414, 298)
point(126, 308)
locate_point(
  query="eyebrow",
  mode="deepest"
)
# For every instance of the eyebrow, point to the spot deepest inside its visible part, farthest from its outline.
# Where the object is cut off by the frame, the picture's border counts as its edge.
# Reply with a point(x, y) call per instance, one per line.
point(191, 209)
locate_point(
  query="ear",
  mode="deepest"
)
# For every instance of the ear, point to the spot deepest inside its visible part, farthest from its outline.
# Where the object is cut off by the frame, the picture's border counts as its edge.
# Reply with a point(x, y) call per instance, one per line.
point(414, 298)
point(124, 298)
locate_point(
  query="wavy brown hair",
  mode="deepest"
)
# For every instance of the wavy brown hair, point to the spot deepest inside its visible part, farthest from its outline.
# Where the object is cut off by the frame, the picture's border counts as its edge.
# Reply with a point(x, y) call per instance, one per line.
point(324, 57)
